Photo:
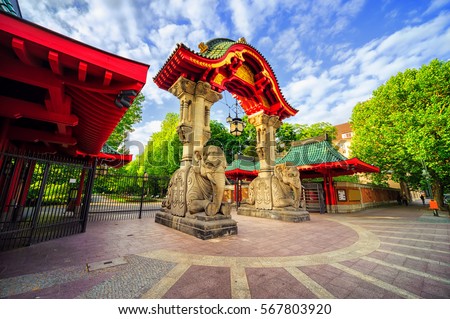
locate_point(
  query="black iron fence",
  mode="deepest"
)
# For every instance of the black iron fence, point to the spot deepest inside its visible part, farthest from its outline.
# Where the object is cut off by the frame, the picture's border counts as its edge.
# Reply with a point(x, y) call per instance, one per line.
point(36, 201)
point(44, 198)
point(117, 196)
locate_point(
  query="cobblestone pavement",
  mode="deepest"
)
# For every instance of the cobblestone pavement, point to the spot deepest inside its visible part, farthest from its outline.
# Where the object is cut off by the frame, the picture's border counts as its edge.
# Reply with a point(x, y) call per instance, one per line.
point(393, 252)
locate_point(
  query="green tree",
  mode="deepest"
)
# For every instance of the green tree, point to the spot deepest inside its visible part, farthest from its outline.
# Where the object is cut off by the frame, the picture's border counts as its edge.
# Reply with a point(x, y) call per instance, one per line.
point(161, 156)
point(294, 132)
point(405, 127)
point(243, 144)
point(316, 129)
point(125, 126)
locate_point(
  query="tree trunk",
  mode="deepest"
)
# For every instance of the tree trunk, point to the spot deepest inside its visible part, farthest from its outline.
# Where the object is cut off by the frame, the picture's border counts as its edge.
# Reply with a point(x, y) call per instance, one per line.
point(438, 190)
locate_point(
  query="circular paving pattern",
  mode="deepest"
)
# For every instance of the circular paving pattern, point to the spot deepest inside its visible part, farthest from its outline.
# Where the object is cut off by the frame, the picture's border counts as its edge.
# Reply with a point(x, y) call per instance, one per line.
point(397, 252)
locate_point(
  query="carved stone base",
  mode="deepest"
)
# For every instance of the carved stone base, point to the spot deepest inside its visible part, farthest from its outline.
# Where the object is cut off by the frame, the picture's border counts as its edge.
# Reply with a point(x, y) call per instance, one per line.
point(285, 214)
point(199, 225)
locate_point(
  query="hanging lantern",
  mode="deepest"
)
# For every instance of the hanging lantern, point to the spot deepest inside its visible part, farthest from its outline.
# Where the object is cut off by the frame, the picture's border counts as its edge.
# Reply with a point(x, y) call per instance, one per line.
point(236, 126)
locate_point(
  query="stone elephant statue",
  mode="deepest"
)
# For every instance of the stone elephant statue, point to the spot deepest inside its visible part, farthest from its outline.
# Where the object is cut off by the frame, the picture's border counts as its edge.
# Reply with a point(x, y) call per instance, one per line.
point(286, 186)
point(283, 189)
point(199, 188)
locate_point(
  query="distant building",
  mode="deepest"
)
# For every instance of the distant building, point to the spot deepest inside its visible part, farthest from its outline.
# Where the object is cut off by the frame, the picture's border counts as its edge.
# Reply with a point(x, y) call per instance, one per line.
point(343, 141)
point(343, 138)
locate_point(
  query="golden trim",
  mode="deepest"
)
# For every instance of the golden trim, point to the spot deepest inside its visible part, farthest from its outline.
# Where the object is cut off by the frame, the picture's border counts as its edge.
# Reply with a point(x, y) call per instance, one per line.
point(203, 47)
point(265, 102)
point(245, 74)
point(218, 79)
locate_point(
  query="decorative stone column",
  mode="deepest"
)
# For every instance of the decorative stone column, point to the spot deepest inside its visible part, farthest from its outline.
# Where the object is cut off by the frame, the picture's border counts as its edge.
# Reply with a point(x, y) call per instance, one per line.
point(193, 129)
point(275, 193)
point(266, 126)
point(194, 203)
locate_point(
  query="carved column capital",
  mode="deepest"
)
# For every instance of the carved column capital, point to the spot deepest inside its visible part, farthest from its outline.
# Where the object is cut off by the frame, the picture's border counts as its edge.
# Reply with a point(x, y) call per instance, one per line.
point(203, 90)
point(182, 86)
point(261, 118)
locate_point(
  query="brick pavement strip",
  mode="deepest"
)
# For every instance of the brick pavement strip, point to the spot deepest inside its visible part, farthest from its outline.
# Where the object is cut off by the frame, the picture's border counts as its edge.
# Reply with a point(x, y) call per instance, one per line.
point(396, 252)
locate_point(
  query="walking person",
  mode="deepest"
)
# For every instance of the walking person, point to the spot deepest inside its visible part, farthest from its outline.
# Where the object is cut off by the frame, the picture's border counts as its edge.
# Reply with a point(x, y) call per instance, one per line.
point(405, 200)
point(423, 199)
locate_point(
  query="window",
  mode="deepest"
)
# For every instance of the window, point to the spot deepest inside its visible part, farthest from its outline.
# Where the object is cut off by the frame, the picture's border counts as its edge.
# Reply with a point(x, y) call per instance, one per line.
point(347, 135)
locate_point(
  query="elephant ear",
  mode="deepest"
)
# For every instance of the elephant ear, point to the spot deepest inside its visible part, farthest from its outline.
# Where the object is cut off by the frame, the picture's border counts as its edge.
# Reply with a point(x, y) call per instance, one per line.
point(215, 163)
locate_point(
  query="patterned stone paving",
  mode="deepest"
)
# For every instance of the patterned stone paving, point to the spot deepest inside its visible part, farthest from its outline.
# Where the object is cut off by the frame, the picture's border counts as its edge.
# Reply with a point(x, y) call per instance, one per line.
point(393, 252)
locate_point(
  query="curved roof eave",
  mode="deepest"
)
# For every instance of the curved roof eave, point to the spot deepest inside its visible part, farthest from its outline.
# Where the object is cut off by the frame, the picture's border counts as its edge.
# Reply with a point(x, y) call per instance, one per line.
point(182, 59)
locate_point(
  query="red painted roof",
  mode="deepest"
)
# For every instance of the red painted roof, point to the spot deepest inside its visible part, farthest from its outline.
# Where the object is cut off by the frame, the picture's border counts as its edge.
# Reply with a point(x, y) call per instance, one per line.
point(61, 95)
point(241, 70)
point(345, 167)
point(238, 173)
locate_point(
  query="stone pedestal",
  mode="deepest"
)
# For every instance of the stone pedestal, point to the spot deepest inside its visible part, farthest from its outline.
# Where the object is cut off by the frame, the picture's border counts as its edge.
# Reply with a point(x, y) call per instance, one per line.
point(287, 214)
point(199, 225)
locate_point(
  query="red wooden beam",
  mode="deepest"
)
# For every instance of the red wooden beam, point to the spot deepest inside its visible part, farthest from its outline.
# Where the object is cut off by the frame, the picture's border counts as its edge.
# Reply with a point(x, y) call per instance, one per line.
point(14, 69)
point(46, 38)
point(15, 109)
point(82, 71)
point(32, 135)
point(55, 65)
point(19, 48)
point(107, 78)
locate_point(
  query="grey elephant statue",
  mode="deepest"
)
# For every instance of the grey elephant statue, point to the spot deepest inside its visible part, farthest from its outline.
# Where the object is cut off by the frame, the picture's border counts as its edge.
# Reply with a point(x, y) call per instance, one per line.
point(199, 188)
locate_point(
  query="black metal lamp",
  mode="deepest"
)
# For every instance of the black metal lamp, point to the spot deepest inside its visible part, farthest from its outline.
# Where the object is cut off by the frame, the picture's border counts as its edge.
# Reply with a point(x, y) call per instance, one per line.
point(236, 124)
point(229, 119)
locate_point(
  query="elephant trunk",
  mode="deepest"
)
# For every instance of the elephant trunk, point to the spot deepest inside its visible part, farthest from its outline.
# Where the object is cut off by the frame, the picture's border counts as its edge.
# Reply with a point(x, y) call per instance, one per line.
point(218, 186)
point(296, 197)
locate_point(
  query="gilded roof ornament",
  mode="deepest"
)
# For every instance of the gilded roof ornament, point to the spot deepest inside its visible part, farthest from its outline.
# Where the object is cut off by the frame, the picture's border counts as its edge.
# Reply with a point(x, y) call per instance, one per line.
point(203, 47)
point(242, 40)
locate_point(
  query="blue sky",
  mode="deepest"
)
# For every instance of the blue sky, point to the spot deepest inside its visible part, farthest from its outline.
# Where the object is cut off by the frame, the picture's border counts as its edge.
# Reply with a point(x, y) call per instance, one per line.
point(327, 54)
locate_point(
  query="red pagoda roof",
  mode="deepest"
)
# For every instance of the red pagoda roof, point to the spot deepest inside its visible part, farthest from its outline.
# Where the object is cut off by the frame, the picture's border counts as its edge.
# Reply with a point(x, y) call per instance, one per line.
point(340, 168)
point(60, 95)
point(228, 65)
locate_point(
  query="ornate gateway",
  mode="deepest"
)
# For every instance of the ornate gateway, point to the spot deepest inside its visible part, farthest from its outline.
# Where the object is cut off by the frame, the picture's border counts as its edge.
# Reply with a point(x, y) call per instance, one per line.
point(197, 79)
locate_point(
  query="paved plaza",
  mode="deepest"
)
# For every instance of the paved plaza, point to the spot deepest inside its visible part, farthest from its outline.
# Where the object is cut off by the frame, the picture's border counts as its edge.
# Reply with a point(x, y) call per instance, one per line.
point(389, 252)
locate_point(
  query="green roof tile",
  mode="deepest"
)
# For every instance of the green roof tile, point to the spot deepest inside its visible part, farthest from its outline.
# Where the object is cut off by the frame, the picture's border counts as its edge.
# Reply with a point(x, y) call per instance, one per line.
point(6, 6)
point(312, 153)
point(243, 164)
point(109, 150)
point(217, 48)
point(307, 154)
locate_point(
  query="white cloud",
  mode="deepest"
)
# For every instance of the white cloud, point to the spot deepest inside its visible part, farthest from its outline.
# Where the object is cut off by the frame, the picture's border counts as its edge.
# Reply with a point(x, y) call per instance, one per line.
point(436, 5)
point(138, 139)
point(250, 16)
point(320, 72)
point(332, 95)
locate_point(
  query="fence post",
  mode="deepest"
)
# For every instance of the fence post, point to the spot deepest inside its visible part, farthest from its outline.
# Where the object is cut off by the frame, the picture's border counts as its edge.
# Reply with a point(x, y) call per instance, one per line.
point(144, 179)
point(87, 196)
point(37, 208)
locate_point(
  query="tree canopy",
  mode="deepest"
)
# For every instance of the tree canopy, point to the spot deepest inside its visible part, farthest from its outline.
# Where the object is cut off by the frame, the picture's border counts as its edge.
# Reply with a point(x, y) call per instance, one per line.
point(405, 127)
point(125, 126)
point(162, 153)
point(295, 132)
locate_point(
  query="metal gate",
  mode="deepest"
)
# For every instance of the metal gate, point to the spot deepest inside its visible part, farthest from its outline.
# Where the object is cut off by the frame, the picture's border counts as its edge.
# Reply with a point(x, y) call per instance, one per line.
point(42, 198)
point(117, 196)
point(314, 197)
